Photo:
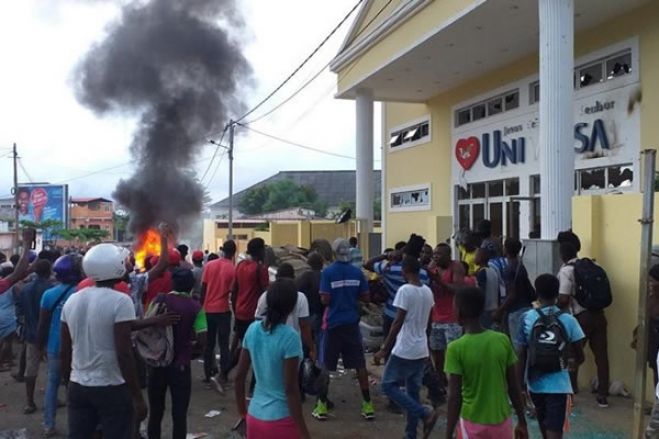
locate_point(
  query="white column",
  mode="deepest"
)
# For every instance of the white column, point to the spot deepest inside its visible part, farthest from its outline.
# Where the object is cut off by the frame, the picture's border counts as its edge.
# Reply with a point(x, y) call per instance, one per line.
point(364, 137)
point(556, 18)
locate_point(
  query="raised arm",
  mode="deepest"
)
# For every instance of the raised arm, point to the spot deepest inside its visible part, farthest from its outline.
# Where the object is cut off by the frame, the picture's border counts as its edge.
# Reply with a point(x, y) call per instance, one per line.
point(163, 260)
point(21, 269)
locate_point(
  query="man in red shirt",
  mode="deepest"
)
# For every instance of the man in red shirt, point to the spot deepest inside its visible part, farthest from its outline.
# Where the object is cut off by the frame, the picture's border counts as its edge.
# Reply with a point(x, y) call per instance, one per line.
point(251, 281)
point(216, 282)
point(446, 275)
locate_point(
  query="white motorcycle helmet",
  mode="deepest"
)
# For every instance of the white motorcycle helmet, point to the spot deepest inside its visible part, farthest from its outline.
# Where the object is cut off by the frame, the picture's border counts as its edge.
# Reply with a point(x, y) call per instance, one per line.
point(105, 262)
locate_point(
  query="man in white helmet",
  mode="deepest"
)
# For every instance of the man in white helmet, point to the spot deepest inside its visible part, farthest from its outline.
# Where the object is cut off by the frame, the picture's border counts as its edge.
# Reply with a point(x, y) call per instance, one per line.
point(96, 330)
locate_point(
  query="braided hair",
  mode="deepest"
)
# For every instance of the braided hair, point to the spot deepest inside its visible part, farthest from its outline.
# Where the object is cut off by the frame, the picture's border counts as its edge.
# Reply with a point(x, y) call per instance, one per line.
point(281, 299)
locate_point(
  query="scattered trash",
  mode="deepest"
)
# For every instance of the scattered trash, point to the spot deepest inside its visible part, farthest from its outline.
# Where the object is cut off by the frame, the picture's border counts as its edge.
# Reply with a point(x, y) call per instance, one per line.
point(213, 413)
point(13, 434)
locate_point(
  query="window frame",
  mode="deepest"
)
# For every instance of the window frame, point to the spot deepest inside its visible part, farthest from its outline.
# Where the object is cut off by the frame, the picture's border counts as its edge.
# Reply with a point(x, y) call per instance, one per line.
point(412, 208)
point(412, 124)
point(485, 103)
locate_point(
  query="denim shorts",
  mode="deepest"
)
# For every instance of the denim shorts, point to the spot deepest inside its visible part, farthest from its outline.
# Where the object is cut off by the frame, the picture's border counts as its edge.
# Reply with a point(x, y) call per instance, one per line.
point(441, 334)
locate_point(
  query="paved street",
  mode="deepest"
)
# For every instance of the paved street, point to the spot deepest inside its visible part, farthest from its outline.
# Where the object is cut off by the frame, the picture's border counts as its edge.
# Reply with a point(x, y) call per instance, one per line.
point(588, 421)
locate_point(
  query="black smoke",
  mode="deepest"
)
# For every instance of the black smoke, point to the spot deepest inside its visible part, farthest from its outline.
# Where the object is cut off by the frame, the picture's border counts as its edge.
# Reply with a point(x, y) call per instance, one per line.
point(169, 62)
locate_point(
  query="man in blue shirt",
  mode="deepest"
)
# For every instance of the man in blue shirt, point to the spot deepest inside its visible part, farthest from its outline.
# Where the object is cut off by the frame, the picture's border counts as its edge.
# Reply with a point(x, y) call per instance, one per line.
point(342, 286)
point(549, 390)
point(30, 303)
point(390, 268)
point(68, 272)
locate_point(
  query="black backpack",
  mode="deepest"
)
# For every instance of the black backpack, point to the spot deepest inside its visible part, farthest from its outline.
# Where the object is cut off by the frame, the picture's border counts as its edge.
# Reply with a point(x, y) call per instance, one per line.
point(593, 290)
point(548, 345)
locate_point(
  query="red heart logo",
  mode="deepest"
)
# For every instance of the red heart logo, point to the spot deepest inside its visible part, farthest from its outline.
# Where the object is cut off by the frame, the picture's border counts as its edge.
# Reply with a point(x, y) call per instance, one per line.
point(466, 151)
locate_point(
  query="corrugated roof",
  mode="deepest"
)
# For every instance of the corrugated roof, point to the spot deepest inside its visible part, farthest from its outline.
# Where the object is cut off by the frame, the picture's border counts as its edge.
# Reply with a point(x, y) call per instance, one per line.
point(332, 187)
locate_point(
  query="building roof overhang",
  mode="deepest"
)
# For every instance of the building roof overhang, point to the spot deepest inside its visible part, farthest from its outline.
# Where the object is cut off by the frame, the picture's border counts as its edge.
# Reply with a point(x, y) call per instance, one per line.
point(484, 37)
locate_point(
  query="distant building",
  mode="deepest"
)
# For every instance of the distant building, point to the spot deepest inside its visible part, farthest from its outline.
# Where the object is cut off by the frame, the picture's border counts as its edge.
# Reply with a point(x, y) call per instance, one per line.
point(91, 213)
point(332, 187)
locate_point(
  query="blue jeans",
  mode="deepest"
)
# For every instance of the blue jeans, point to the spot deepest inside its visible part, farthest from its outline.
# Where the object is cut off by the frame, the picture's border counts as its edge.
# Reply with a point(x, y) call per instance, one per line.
point(411, 373)
point(52, 386)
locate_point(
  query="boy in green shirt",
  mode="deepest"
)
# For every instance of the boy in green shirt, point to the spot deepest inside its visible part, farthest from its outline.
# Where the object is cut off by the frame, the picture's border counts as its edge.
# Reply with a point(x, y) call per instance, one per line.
point(481, 374)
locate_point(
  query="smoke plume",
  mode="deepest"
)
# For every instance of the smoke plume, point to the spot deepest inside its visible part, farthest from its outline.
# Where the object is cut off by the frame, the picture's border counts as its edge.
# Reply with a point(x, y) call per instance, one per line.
point(169, 62)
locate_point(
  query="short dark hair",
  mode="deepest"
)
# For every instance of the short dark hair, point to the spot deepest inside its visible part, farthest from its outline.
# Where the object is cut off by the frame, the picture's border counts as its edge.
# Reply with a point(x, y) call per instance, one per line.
point(229, 248)
point(43, 268)
point(484, 228)
point(470, 302)
point(400, 245)
point(571, 237)
point(212, 257)
point(183, 250)
point(546, 285)
point(183, 280)
point(281, 299)
point(255, 247)
point(567, 250)
point(285, 271)
point(14, 259)
point(353, 241)
point(411, 265)
point(654, 272)
point(513, 246)
point(315, 261)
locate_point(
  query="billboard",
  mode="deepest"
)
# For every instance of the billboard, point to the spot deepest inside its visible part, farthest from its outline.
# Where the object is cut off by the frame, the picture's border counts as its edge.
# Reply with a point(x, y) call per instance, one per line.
point(40, 202)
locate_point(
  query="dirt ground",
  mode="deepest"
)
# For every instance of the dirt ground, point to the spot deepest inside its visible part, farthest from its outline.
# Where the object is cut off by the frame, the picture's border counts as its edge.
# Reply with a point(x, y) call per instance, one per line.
point(587, 420)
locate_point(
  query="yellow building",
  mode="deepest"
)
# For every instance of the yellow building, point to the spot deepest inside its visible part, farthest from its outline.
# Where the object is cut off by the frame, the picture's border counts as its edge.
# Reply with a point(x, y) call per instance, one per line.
point(470, 132)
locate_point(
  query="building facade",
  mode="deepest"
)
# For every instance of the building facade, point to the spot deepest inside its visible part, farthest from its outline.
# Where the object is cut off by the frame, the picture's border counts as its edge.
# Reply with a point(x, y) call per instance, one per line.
point(532, 114)
point(91, 213)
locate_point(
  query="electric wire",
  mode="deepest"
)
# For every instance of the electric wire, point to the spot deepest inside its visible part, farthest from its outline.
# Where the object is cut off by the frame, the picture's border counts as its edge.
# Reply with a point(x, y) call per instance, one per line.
point(306, 60)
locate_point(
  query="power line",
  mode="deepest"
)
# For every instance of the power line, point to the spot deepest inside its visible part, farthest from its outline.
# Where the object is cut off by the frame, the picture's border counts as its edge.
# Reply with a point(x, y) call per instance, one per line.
point(20, 163)
point(315, 76)
point(217, 149)
point(299, 145)
point(216, 168)
point(322, 43)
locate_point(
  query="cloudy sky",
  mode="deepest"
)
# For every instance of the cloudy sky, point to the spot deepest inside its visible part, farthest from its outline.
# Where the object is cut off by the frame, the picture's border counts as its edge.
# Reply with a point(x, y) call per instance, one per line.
point(60, 141)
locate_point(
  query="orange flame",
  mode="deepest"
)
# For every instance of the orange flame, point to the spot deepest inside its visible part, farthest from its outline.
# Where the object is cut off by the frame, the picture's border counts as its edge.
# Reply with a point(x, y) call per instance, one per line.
point(148, 245)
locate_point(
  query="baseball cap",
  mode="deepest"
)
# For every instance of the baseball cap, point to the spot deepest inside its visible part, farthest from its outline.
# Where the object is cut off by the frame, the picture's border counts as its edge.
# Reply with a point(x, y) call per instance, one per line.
point(341, 248)
point(197, 255)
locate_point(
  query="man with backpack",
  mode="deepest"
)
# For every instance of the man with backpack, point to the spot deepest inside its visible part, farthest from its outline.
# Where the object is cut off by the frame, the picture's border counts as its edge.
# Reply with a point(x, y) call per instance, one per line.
point(544, 338)
point(585, 291)
point(176, 375)
point(68, 272)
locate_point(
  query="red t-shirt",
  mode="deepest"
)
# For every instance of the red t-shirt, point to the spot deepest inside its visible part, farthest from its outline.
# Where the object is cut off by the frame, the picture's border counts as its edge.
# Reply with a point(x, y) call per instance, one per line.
point(162, 284)
point(250, 287)
point(4, 285)
point(218, 277)
point(120, 286)
point(443, 312)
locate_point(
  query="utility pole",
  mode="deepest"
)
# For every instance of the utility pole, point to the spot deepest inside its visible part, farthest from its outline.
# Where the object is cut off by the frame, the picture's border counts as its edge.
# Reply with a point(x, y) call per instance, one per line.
point(231, 129)
point(16, 207)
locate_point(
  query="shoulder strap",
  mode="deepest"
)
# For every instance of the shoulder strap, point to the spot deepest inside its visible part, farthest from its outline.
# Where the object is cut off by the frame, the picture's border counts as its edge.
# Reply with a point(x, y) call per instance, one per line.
point(61, 298)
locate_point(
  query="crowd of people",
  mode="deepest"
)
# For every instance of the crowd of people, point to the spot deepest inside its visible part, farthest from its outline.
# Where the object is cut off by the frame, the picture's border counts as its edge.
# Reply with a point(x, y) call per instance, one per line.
point(473, 329)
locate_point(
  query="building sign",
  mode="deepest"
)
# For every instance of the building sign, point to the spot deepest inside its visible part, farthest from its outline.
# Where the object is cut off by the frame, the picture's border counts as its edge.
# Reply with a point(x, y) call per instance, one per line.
point(40, 202)
point(605, 133)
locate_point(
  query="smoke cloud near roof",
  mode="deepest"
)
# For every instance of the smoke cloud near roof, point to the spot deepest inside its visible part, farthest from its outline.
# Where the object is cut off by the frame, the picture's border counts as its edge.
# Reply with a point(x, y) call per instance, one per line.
point(169, 62)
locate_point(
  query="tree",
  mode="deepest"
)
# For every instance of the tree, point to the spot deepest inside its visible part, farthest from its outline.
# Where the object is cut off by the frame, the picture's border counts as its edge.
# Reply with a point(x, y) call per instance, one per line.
point(280, 195)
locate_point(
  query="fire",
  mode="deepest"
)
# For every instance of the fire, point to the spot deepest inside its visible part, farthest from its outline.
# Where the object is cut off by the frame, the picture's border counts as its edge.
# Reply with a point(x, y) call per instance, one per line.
point(148, 245)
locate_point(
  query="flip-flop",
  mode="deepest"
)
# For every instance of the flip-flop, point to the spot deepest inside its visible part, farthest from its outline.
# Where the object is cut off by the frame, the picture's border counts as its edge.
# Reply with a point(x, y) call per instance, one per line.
point(29, 409)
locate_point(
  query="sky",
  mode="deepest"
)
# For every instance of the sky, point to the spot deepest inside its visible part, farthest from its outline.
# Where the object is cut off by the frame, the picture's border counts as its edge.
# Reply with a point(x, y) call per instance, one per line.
point(61, 141)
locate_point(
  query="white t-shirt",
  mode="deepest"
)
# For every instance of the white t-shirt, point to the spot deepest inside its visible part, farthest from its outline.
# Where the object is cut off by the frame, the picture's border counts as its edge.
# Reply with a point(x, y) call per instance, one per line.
point(567, 286)
point(301, 310)
point(91, 315)
point(412, 341)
